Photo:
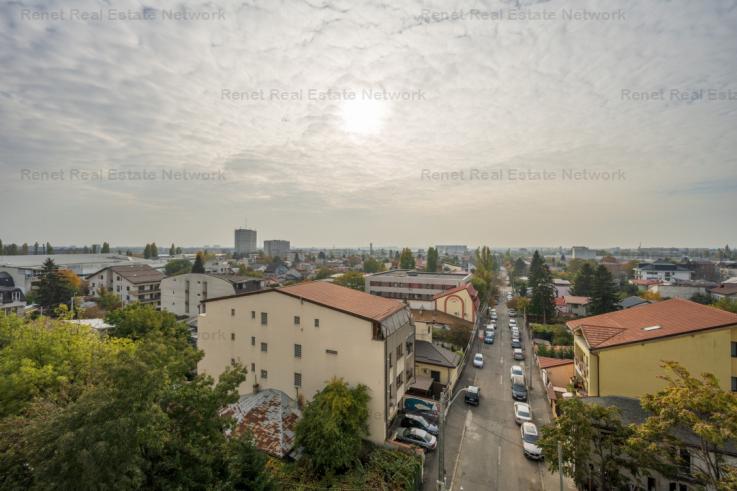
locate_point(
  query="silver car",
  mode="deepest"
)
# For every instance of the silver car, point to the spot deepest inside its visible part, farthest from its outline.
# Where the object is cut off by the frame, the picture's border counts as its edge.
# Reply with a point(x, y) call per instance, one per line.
point(418, 437)
point(530, 436)
point(522, 413)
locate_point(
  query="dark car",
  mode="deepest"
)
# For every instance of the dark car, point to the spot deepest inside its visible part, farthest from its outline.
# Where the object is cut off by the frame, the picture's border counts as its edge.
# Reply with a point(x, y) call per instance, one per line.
point(429, 416)
point(516, 343)
point(472, 395)
point(488, 339)
point(519, 391)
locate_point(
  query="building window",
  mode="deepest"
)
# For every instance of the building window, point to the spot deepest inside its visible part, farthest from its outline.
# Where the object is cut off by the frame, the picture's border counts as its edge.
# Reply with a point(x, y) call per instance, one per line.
point(734, 349)
point(204, 308)
point(331, 352)
point(317, 322)
point(297, 379)
point(400, 352)
point(253, 314)
point(650, 484)
point(410, 346)
point(298, 351)
point(264, 318)
point(264, 374)
point(296, 320)
point(391, 363)
point(734, 384)
point(264, 347)
point(232, 312)
point(253, 367)
point(232, 336)
point(399, 380)
point(253, 340)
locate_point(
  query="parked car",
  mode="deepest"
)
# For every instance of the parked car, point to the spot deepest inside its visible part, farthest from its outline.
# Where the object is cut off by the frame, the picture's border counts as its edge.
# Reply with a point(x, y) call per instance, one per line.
point(418, 437)
point(513, 322)
point(517, 370)
point(516, 344)
point(417, 421)
point(522, 412)
point(489, 338)
point(478, 360)
point(519, 391)
point(472, 395)
point(512, 312)
point(530, 436)
point(518, 354)
point(416, 404)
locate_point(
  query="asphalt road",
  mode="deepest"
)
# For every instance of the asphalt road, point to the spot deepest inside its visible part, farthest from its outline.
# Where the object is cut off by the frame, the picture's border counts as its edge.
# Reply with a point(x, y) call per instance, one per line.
point(483, 449)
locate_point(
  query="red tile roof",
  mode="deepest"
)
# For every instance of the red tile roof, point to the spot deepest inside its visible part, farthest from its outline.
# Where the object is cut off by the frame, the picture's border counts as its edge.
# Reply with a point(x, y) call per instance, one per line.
point(725, 289)
point(662, 319)
point(344, 299)
point(546, 362)
point(466, 286)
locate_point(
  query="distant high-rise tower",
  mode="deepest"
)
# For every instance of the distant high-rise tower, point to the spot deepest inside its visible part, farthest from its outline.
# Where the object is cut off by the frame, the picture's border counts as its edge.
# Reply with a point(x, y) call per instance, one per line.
point(245, 241)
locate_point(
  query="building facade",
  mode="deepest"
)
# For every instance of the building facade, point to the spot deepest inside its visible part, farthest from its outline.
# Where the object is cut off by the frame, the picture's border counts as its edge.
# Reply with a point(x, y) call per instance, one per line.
point(182, 294)
point(277, 248)
point(581, 252)
point(462, 302)
point(131, 283)
point(661, 271)
point(621, 353)
point(12, 299)
point(416, 288)
point(245, 241)
point(297, 338)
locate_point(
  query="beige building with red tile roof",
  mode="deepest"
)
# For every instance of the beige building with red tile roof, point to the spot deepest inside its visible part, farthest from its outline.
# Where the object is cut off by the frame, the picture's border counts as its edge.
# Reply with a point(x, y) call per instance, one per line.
point(620, 353)
point(295, 339)
point(461, 301)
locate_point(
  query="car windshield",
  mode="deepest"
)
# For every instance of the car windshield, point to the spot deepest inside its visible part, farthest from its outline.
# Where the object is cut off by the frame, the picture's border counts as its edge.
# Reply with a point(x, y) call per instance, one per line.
point(522, 411)
point(530, 438)
point(519, 387)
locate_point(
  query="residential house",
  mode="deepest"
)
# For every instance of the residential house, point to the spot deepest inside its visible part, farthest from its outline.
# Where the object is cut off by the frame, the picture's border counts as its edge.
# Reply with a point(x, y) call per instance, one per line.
point(132, 283)
point(620, 353)
point(681, 289)
point(573, 305)
point(633, 301)
point(632, 412)
point(462, 302)
point(181, 294)
point(725, 290)
point(275, 270)
point(219, 266)
point(562, 287)
point(297, 338)
point(727, 269)
point(416, 288)
point(12, 299)
point(662, 271)
point(557, 374)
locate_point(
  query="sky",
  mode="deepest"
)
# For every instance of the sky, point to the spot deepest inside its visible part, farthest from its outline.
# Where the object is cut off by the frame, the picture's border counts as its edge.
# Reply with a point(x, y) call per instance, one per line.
point(507, 123)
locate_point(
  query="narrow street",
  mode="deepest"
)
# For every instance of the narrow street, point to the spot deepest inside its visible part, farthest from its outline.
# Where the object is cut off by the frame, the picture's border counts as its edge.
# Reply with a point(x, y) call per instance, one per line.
point(483, 449)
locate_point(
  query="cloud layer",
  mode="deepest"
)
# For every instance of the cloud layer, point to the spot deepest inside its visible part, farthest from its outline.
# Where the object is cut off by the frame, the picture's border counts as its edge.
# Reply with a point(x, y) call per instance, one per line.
point(642, 91)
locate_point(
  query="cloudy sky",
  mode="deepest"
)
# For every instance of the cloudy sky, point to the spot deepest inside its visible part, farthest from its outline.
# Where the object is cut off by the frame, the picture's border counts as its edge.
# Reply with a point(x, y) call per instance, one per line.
point(340, 122)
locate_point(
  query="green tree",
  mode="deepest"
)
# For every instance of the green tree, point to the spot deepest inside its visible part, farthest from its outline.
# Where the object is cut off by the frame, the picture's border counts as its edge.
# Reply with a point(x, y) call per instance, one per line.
point(24, 249)
point(604, 296)
point(154, 250)
point(199, 263)
point(105, 248)
point(178, 266)
point(726, 304)
point(179, 250)
point(35, 248)
point(542, 303)
point(49, 249)
point(351, 279)
point(432, 260)
point(54, 286)
point(147, 251)
point(172, 250)
point(371, 265)
point(323, 273)
point(520, 268)
point(333, 425)
point(136, 321)
point(700, 405)
point(594, 445)
point(583, 282)
point(406, 259)
point(108, 300)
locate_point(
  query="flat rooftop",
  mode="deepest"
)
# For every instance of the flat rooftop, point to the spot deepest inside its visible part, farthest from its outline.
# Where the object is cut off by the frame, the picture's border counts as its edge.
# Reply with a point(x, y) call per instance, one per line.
point(37, 260)
point(405, 273)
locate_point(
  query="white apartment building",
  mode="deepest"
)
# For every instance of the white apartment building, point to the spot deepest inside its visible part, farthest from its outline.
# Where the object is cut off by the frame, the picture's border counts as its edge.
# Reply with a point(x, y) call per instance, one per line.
point(182, 294)
point(297, 338)
point(132, 283)
point(662, 271)
point(277, 248)
point(416, 288)
point(581, 252)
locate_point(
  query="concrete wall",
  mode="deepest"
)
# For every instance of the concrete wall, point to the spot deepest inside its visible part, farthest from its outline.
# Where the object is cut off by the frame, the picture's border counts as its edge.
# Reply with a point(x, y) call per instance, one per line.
point(458, 304)
point(174, 297)
point(342, 346)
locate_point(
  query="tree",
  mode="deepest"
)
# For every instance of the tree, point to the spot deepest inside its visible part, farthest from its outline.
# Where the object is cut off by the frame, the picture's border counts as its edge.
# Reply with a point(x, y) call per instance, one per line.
point(172, 250)
point(594, 446)
point(179, 250)
point(108, 300)
point(154, 250)
point(542, 303)
point(35, 248)
point(105, 248)
point(726, 304)
point(136, 321)
point(371, 265)
point(323, 273)
point(199, 263)
point(520, 268)
point(178, 266)
point(333, 425)
point(406, 259)
point(24, 249)
point(351, 279)
point(147, 251)
point(706, 410)
point(583, 282)
point(432, 260)
point(49, 249)
point(603, 292)
point(56, 286)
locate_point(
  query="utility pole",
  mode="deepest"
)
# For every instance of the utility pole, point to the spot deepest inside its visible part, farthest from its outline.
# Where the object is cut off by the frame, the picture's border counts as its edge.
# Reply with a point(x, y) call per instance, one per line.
point(560, 464)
